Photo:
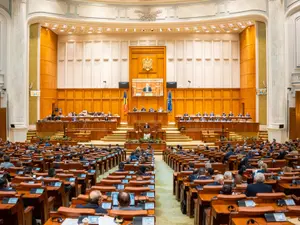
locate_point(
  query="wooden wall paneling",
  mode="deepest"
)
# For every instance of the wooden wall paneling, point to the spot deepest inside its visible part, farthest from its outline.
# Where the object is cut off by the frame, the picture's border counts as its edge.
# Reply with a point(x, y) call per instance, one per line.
point(298, 113)
point(48, 70)
point(292, 124)
point(3, 134)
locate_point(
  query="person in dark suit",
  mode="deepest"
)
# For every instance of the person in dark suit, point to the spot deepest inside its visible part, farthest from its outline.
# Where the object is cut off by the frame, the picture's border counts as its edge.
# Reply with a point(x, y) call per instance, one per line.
point(228, 154)
point(186, 114)
point(143, 109)
point(230, 114)
point(151, 110)
point(205, 114)
point(4, 185)
point(95, 199)
point(147, 126)
point(124, 202)
point(134, 109)
point(147, 88)
point(198, 114)
point(223, 114)
point(212, 114)
point(258, 186)
point(121, 167)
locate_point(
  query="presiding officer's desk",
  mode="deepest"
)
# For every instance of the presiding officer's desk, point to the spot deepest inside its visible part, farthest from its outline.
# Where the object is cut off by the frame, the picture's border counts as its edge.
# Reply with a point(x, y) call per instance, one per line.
point(145, 117)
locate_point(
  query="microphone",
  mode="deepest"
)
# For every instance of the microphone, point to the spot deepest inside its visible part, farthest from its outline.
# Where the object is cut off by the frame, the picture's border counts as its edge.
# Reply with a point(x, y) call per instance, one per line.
point(189, 81)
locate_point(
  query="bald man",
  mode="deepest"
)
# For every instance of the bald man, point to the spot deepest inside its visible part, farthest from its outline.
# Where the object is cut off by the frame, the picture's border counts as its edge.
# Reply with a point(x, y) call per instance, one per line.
point(124, 202)
point(94, 202)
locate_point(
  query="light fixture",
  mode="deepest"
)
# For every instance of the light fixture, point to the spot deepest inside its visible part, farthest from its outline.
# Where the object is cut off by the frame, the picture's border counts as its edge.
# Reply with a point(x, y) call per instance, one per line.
point(134, 30)
point(55, 25)
point(90, 31)
point(222, 25)
point(213, 27)
point(62, 30)
point(125, 29)
point(53, 28)
point(46, 24)
point(228, 31)
point(187, 28)
point(204, 27)
point(117, 29)
point(90, 28)
point(249, 23)
point(195, 28)
point(107, 29)
point(230, 25)
point(197, 31)
point(207, 31)
point(70, 32)
point(217, 31)
point(235, 28)
point(73, 27)
point(178, 29)
point(64, 26)
point(160, 30)
point(169, 29)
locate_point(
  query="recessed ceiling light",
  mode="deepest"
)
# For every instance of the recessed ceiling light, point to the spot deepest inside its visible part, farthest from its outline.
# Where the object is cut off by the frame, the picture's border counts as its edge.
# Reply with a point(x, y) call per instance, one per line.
point(134, 30)
point(160, 30)
point(197, 31)
point(117, 29)
point(187, 28)
point(235, 28)
point(249, 23)
point(53, 28)
point(213, 27)
point(107, 29)
point(169, 29)
point(217, 31)
point(207, 31)
point(70, 33)
point(230, 25)
point(222, 25)
point(55, 25)
point(46, 24)
point(64, 26)
point(178, 29)
point(195, 28)
point(73, 27)
point(125, 29)
point(90, 31)
point(62, 30)
point(90, 28)
point(243, 26)
point(228, 31)
point(204, 27)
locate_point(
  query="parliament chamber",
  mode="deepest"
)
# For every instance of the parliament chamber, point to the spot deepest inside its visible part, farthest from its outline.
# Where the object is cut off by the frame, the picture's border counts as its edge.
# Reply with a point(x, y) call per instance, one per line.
point(135, 112)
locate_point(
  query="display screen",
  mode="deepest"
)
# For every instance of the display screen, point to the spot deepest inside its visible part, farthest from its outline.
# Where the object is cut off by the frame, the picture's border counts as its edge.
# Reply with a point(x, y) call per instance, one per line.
point(147, 87)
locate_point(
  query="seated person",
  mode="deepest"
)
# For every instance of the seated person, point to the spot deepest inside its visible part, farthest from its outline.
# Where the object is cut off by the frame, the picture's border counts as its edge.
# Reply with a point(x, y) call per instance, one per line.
point(226, 189)
point(147, 88)
point(121, 167)
point(143, 109)
point(124, 202)
point(210, 172)
point(94, 202)
point(6, 164)
point(134, 109)
point(240, 115)
point(212, 114)
point(160, 109)
point(223, 114)
point(205, 114)
point(4, 185)
point(223, 119)
point(186, 114)
point(263, 168)
point(133, 157)
point(228, 154)
point(247, 115)
point(147, 126)
point(109, 114)
point(191, 167)
point(198, 114)
point(217, 119)
point(258, 186)
point(142, 171)
point(238, 179)
point(203, 119)
point(151, 110)
point(202, 176)
point(230, 114)
point(194, 175)
point(228, 175)
point(219, 180)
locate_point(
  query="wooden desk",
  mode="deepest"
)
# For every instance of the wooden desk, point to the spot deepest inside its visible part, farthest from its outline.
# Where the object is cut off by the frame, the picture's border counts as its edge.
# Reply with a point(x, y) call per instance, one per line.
point(146, 117)
point(226, 126)
point(259, 220)
point(56, 126)
point(115, 117)
point(288, 189)
point(203, 201)
point(12, 213)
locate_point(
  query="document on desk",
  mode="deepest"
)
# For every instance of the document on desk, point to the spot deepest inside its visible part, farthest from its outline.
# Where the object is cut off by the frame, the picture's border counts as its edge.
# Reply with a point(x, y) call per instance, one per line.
point(294, 221)
point(69, 221)
point(106, 220)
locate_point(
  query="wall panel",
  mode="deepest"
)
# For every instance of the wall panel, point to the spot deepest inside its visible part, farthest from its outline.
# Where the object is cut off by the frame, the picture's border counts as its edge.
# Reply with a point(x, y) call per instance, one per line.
point(48, 70)
point(188, 57)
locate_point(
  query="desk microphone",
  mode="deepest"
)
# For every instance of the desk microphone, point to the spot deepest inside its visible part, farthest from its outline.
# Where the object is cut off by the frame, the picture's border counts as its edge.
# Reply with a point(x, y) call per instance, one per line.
point(252, 221)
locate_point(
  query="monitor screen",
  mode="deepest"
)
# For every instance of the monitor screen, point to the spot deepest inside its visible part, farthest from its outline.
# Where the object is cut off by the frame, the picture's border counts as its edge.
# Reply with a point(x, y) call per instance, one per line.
point(147, 87)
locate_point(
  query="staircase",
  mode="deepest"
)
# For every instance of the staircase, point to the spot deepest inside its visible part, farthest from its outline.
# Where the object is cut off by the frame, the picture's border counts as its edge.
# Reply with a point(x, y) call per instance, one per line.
point(30, 134)
point(263, 134)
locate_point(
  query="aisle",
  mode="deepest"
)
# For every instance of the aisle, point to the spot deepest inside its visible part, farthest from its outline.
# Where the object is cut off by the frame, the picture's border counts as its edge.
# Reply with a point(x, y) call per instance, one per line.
point(167, 209)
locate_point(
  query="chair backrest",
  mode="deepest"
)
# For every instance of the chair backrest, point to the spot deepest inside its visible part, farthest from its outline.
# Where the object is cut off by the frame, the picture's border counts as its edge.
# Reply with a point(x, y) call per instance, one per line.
point(137, 190)
point(74, 212)
point(106, 182)
point(127, 214)
point(104, 188)
point(139, 182)
point(255, 210)
point(273, 196)
point(116, 177)
point(231, 197)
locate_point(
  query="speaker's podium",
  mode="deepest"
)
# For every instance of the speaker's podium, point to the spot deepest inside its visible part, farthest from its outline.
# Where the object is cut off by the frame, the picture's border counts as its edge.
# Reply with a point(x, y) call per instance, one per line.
point(146, 117)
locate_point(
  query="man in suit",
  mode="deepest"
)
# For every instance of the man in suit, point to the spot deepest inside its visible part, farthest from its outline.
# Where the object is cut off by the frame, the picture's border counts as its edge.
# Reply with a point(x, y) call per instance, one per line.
point(124, 202)
point(205, 114)
point(147, 88)
point(186, 114)
point(247, 115)
point(4, 185)
point(151, 110)
point(212, 114)
point(224, 114)
point(94, 202)
point(198, 114)
point(134, 109)
point(147, 126)
point(258, 186)
point(143, 109)
point(230, 114)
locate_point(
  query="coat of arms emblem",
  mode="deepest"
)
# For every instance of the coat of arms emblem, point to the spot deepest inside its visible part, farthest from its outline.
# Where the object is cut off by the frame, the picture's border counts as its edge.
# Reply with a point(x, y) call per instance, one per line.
point(147, 64)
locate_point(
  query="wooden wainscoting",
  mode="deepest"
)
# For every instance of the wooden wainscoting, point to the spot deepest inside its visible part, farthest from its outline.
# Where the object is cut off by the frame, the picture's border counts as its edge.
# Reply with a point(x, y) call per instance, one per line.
point(193, 100)
point(93, 100)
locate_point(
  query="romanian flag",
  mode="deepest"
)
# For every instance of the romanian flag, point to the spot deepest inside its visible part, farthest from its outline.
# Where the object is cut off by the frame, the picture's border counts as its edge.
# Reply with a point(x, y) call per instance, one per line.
point(125, 102)
point(169, 103)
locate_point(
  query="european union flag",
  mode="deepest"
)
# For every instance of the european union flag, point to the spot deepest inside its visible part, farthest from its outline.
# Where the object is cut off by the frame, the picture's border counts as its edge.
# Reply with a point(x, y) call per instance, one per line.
point(170, 101)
